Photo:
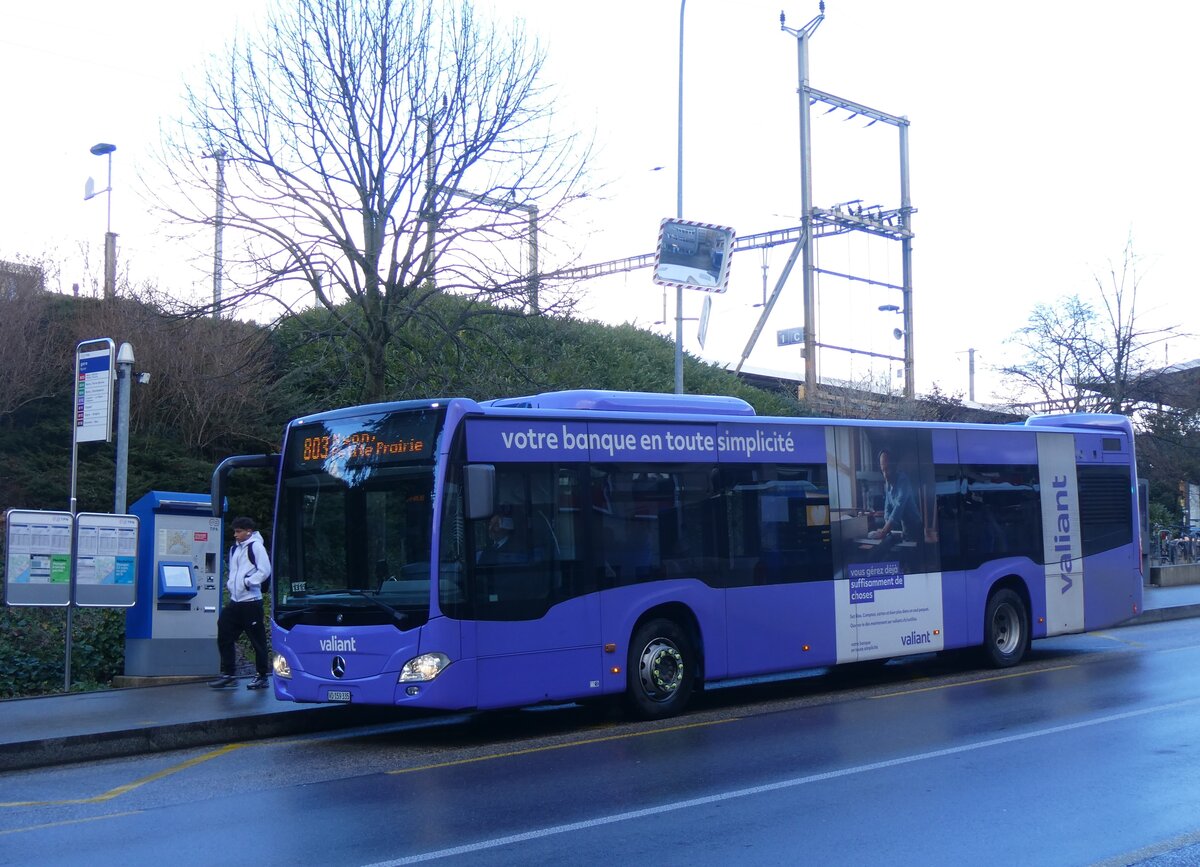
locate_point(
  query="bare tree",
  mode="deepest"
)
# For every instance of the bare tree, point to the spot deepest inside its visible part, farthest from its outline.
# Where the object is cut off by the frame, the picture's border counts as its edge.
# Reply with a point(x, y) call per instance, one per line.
point(1080, 358)
point(207, 376)
point(27, 330)
point(376, 152)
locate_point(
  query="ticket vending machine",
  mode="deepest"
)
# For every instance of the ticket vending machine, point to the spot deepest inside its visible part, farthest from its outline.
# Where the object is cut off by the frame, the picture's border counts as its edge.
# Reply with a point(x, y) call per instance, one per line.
point(172, 629)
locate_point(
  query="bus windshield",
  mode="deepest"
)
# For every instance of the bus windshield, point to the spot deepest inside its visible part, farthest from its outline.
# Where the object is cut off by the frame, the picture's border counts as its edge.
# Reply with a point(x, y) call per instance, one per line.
point(355, 520)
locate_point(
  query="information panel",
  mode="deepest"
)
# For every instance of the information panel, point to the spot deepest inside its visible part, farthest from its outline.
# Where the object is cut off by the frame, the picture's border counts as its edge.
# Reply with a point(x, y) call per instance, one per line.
point(106, 560)
point(93, 392)
point(38, 563)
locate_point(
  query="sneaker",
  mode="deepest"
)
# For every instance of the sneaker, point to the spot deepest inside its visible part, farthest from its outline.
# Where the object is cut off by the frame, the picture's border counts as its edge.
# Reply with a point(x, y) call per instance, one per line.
point(261, 681)
point(225, 680)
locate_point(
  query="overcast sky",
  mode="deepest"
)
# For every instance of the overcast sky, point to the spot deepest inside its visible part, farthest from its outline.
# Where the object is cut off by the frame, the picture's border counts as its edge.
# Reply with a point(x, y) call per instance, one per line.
point(1043, 136)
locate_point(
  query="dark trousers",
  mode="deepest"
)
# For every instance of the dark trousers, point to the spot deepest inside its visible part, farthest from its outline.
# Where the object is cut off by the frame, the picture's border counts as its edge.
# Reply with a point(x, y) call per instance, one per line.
point(236, 618)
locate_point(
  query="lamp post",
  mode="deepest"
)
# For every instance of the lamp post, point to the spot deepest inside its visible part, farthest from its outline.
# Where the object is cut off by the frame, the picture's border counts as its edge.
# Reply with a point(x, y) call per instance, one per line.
point(679, 213)
point(125, 361)
point(898, 333)
point(110, 240)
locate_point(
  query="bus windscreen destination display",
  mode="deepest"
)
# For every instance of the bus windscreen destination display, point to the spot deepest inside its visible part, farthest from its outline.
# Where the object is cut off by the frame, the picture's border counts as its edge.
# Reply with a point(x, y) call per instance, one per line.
point(359, 447)
point(363, 442)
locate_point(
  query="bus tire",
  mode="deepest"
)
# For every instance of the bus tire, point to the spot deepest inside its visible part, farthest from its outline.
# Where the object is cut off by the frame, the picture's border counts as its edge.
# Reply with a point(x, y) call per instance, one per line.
point(1005, 629)
point(661, 671)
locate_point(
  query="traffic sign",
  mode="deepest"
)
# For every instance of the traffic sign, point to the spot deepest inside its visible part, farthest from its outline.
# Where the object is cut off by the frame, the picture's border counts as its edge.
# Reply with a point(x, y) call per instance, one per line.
point(790, 336)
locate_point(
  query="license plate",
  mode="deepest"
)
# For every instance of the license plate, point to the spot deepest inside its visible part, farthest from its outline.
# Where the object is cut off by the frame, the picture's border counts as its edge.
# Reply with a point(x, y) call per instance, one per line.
point(338, 695)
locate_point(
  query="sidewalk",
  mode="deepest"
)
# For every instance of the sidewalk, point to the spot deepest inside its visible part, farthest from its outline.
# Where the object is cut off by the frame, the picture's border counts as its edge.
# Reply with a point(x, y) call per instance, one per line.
point(78, 727)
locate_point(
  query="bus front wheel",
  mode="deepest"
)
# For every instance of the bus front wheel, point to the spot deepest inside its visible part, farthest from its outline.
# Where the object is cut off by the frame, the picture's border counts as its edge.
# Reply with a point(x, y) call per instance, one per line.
point(661, 670)
point(1006, 629)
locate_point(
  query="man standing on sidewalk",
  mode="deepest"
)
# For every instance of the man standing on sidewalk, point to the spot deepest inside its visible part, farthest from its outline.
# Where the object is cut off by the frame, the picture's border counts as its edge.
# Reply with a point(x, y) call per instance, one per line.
point(249, 568)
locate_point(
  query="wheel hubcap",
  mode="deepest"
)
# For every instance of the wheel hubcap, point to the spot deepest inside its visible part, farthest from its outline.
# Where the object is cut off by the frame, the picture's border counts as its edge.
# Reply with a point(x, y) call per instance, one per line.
point(661, 669)
point(1006, 629)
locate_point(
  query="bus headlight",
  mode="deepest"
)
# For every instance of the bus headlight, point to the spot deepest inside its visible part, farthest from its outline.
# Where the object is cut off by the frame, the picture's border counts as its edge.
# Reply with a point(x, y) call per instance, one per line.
point(282, 669)
point(425, 667)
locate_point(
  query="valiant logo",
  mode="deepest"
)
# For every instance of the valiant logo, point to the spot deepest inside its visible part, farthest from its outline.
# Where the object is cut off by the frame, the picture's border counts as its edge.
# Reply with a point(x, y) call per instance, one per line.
point(339, 645)
point(1062, 541)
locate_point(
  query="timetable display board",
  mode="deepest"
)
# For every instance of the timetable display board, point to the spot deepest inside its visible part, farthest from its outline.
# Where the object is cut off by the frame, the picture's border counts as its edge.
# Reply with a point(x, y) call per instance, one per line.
point(55, 558)
point(38, 562)
point(106, 560)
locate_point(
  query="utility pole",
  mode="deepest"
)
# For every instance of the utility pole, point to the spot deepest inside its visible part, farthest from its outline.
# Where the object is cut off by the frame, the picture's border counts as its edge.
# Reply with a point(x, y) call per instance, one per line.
point(894, 224)
point(218, 253)
point(806, 216)
point(971, 375)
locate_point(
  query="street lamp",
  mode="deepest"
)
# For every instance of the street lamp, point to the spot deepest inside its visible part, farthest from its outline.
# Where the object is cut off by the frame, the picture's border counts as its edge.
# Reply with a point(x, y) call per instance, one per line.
point(110, 240)
point(893, 308)
point(897, 333)
point(679, 214)
point(125, 361)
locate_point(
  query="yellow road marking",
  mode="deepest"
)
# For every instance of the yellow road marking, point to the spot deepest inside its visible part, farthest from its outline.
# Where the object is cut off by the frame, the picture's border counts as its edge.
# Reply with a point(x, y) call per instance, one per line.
point(973, 682)
point(1108, 637)
point(129, 787)
point(548, 748)
point(69, 822)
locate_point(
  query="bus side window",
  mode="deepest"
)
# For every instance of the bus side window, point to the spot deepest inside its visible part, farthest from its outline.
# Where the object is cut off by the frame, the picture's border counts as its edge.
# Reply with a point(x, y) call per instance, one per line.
point(778, 524)
point(947, 514)
point(1001, 513)
point(525, 555)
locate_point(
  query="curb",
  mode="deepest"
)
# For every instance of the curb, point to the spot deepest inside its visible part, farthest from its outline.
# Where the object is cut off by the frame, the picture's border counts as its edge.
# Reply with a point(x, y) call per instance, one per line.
point(1158, 615)
point(154, 739)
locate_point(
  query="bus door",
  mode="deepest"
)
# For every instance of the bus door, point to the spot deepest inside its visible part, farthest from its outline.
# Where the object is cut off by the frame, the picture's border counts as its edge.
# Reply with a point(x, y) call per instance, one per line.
point(537, 617)
point(997, 522)
point(778, 565)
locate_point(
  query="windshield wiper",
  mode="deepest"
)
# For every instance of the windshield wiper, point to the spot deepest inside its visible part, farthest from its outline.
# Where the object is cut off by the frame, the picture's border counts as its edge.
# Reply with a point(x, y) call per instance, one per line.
point(288, 615)
point(314, 594)
point(399, 617)
point(366, 595)
point(285, 617)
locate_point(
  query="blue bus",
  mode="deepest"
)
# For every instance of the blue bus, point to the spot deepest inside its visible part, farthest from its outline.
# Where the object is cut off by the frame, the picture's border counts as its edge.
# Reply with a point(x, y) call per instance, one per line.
point(575, 545)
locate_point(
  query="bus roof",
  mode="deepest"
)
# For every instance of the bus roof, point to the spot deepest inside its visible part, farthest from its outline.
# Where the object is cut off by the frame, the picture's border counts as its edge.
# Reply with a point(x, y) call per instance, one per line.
point(1093, 420)
point(628, 401)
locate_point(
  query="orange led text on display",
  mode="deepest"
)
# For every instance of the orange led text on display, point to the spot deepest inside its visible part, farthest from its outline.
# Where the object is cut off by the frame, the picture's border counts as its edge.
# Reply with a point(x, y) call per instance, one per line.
point(359, 446)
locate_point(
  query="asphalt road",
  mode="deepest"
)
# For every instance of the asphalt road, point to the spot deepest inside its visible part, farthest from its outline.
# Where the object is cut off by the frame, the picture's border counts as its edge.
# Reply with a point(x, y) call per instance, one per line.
point(1087, 754)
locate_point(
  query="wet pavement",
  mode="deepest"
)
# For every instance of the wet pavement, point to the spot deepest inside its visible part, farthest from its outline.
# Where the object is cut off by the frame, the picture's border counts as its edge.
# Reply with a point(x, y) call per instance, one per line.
point(55, 729)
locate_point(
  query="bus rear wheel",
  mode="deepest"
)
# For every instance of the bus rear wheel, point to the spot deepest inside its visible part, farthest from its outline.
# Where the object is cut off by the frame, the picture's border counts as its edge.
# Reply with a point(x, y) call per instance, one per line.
point(1005, 629)
point(661, 670)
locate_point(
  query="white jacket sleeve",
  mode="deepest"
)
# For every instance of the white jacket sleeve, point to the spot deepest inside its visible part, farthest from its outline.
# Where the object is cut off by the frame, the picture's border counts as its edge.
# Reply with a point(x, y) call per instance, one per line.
point(262, 562)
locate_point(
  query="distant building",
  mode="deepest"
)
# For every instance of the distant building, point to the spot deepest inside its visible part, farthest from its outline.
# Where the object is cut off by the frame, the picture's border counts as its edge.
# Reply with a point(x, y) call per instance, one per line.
point(838, 399)
point(17, 280)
